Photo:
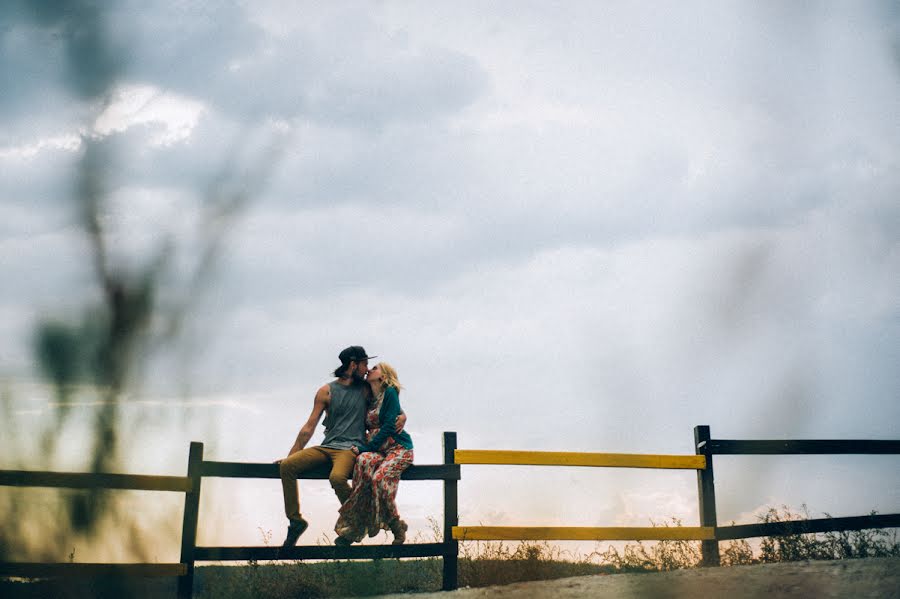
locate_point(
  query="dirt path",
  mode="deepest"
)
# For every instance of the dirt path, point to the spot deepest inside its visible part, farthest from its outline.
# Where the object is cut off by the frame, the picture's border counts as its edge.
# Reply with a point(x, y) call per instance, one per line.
point(852, 579)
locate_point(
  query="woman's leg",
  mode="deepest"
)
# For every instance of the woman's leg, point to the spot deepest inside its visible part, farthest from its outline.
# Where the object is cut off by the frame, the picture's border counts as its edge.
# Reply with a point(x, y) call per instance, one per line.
point(356, 513)
point(386, 480)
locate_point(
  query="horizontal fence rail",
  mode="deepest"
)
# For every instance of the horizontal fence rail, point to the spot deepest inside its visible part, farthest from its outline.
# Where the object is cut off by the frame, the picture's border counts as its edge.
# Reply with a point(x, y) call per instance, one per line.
point(94, 480)
point(583, 533)
point(303, 552)
point(76, 570)
point(563, 458)
point(796, 527)
point(212, 469)
point(698, 462)
point(809, 446)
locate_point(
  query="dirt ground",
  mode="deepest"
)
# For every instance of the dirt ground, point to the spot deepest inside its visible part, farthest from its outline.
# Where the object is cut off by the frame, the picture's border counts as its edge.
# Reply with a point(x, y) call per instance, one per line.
point(851, 579)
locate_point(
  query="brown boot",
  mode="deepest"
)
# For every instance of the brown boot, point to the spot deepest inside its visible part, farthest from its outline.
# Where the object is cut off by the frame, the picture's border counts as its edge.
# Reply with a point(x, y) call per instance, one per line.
point(399, 528)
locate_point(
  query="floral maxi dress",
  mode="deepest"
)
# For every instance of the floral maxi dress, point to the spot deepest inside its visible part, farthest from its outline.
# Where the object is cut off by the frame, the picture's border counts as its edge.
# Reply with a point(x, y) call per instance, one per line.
point(372, 504)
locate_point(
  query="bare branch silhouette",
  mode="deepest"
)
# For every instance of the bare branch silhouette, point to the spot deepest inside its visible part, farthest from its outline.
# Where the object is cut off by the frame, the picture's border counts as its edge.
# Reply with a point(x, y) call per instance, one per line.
point(99, 352)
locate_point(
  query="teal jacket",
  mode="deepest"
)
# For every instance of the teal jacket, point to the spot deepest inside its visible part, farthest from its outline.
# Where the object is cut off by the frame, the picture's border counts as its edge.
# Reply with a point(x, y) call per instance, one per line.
point(387, 416)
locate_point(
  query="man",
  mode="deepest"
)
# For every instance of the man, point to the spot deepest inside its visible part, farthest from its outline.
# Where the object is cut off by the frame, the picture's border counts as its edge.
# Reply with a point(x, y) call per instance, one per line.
point(344, 402)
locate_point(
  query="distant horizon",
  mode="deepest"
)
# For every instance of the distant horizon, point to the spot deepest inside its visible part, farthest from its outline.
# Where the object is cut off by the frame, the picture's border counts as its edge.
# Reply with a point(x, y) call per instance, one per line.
point(240, 512)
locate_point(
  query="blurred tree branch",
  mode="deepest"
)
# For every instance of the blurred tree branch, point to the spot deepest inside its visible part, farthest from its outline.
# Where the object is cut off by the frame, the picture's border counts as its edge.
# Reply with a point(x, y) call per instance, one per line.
point(99, 353)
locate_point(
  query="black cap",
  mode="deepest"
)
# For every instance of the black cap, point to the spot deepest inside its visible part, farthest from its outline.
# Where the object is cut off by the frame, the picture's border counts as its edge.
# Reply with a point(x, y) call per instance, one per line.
point(354, 353)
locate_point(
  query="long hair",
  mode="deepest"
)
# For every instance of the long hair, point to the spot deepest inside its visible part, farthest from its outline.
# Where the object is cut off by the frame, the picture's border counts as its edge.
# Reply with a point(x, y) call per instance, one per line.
point(389, 376)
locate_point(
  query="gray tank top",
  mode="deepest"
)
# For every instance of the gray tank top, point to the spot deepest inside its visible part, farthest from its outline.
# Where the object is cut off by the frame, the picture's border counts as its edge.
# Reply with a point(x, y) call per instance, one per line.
point(345, 419)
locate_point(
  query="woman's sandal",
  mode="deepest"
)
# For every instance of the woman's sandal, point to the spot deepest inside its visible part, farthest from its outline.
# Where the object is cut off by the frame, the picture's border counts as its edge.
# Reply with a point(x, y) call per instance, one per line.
point(399, 528)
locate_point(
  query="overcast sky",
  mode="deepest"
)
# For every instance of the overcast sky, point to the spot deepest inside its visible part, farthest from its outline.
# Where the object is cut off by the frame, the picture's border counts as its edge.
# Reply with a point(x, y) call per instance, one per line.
point(570, 226)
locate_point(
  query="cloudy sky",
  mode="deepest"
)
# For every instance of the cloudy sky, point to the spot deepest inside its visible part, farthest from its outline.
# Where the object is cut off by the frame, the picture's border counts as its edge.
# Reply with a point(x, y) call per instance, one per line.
point(570, 226)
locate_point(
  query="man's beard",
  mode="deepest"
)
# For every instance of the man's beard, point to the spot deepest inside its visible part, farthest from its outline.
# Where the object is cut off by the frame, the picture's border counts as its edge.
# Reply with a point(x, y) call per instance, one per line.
point(356, 377)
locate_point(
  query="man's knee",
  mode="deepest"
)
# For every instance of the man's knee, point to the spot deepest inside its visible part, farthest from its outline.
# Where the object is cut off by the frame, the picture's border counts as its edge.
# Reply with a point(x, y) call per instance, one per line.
point(285, 470)
point(338, 480)
point(293, 465)
point(341, 487)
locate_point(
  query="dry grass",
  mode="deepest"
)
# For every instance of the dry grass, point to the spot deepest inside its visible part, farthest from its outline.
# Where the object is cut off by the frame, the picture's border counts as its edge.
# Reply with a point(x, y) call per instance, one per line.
point(487, 563)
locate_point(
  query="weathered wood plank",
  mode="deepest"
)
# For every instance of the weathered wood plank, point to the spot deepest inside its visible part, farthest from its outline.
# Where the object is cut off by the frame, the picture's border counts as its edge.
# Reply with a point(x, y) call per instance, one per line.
point(808, 446)
point(563, 458)
point(76, 570)
point(747, 531)
point(319, 552)
point(92, 480)
point(432, 472)
point(582, 533)
point(189, 520)
point(450, 577)
point(706, 493)
point(257, 470)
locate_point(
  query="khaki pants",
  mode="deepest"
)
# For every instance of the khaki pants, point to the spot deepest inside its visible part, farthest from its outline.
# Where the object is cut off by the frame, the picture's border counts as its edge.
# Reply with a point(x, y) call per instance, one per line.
point(306, 459)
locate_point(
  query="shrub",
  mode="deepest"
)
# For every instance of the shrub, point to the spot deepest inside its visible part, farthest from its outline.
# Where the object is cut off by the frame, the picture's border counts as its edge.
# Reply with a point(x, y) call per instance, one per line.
point(877, 542)
point(655, 557)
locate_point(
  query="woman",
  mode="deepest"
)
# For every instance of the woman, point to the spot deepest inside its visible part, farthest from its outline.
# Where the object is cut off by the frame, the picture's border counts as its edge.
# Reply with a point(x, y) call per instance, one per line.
point(372, 505)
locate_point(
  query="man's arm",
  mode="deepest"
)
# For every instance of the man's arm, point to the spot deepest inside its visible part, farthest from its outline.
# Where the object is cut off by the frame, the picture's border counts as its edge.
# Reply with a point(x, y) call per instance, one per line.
point(400, 423)
point(320, 403)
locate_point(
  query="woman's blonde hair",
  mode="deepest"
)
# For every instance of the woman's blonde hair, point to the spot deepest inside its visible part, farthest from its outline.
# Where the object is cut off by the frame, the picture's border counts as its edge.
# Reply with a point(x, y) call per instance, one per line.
point(389, 376)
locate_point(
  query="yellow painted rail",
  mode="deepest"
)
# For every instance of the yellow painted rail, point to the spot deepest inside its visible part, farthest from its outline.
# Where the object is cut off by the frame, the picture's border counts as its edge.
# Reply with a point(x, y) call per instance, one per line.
point(564, 458)
point(583, 533)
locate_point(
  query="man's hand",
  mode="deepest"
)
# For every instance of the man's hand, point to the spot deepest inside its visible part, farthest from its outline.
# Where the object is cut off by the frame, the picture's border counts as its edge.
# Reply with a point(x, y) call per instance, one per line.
point(400, 422)
point(293, 450)
point(355, 450)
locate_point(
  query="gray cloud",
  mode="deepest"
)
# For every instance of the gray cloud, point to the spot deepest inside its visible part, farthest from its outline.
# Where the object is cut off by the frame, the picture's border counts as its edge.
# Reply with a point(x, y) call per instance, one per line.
point(357, 75)
point(633, 219)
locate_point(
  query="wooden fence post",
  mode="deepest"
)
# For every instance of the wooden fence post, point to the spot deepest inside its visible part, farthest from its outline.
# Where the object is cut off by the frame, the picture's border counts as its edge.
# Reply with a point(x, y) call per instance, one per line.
point(451, 519)
point(706, 491)
point(189, 524)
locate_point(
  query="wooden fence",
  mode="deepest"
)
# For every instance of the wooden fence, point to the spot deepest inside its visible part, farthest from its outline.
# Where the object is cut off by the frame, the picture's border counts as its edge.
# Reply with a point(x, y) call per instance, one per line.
point(708, 533)
point(448, 549)
point(191, 486)
point(709, 447)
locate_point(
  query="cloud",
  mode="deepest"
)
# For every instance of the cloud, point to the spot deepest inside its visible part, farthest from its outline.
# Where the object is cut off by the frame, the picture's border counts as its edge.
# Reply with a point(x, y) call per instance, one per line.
point(28, 151)
point(430, 164)
point(40, 397)
point(680, 323)
point(31, 63)
point(362, 78)
point(656, 508)
point(145, 105)
point(585, 230)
